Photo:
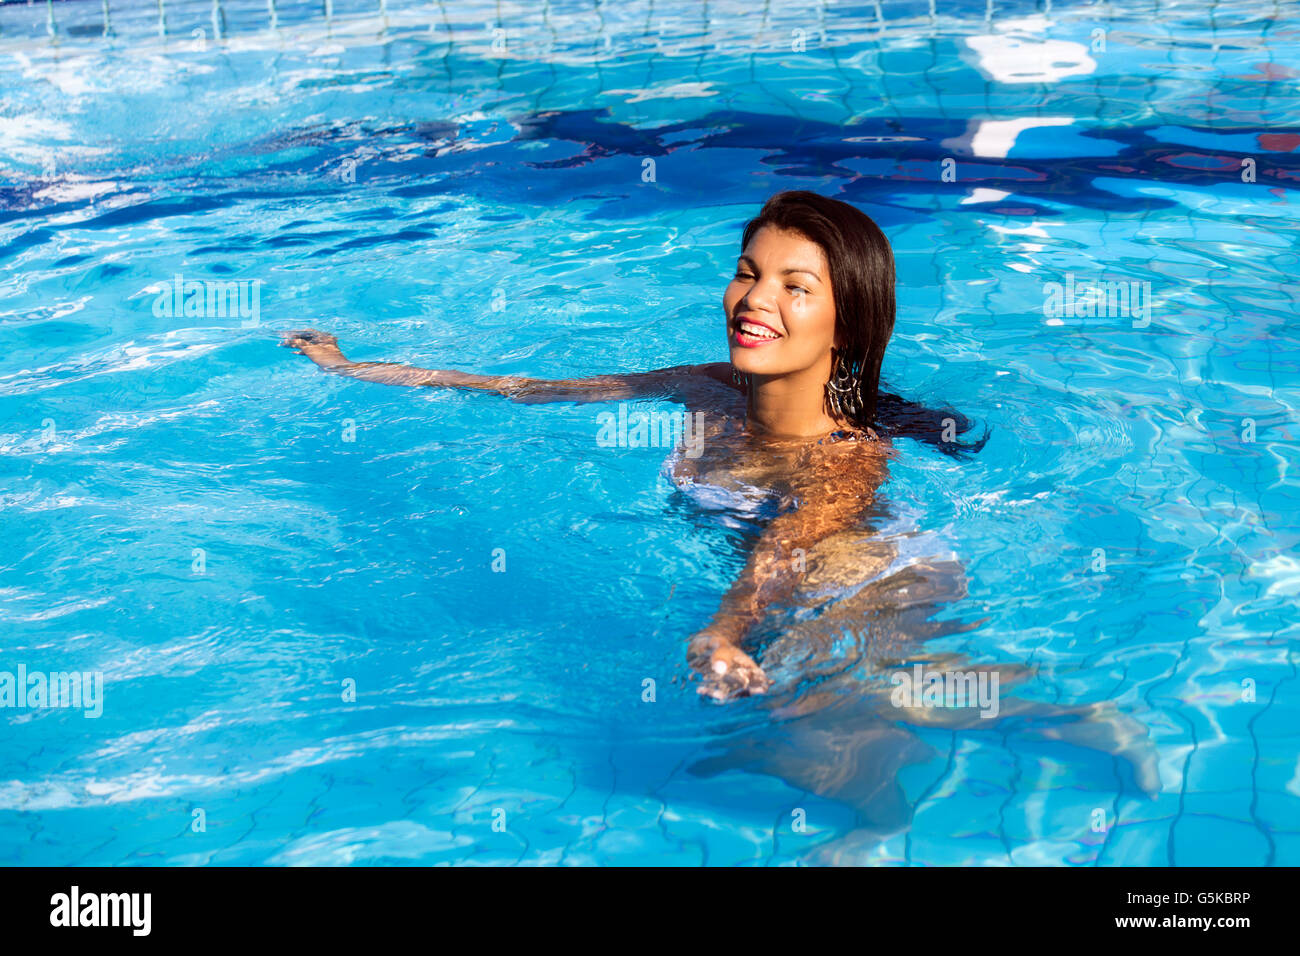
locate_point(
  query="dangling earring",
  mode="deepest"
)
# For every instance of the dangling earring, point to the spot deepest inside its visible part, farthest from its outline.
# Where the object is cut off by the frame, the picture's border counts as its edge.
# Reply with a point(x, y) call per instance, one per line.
point(844, 390)
point(740, 380)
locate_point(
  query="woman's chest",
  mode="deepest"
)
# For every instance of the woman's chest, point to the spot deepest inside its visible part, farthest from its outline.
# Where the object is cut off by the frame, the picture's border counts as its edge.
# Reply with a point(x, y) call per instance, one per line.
point(731, 469)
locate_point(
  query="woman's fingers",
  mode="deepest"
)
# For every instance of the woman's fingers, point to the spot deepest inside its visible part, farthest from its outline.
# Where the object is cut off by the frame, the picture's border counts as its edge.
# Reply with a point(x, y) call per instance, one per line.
point(301, 338)
point(296, 339)
point(728, 671)
point(733, 673)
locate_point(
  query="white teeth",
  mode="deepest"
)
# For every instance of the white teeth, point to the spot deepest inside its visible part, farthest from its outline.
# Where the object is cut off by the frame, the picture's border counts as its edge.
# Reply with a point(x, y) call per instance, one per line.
point(757, 331)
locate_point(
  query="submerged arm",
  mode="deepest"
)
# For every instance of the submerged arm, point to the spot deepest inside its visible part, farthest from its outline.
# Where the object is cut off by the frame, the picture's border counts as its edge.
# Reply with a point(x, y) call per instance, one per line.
point(322, 348)
point(841, 490)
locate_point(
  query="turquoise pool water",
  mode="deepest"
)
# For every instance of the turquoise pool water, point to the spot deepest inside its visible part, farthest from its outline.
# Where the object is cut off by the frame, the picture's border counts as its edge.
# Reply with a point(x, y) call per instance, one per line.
point(236, 542)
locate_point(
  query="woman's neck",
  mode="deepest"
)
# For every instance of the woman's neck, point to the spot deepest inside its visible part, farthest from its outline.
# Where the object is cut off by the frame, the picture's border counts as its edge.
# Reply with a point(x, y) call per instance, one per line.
point(792, 406)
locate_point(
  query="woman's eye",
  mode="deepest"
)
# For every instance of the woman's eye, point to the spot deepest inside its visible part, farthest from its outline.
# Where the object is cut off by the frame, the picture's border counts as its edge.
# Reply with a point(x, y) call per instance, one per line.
point(742, 275)
point(797, 289)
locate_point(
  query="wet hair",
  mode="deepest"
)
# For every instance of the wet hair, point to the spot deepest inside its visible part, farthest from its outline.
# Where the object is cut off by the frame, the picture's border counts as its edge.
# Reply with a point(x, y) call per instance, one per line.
point(861, 265)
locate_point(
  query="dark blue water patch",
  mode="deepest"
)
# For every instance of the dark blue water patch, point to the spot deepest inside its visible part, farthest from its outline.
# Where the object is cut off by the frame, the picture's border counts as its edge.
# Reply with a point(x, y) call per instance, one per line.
point(591, 127)
point(819, 147)
point(384, 214)
point(810, 172)
point(304, 238)
point(154, 209)
point(809, 149)
point(17, 201)
point(72, 260)
point(365, 242)
point(289, 194)
point(32, 237)
point(106, 270)
point(1218, 164)
point(224, 249)
point(98, 275)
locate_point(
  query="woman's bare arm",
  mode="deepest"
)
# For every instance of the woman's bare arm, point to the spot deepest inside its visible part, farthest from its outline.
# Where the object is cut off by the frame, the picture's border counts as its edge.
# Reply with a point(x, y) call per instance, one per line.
point(322, 348)
point(836, 497)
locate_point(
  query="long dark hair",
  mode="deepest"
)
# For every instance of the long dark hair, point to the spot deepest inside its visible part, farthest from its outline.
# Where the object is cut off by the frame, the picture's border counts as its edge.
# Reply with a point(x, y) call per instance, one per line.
point(861, 266)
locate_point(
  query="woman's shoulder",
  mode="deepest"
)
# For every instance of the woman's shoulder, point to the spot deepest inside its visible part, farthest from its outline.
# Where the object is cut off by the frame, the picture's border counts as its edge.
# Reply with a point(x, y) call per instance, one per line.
point(714, 371)
point(718, 371)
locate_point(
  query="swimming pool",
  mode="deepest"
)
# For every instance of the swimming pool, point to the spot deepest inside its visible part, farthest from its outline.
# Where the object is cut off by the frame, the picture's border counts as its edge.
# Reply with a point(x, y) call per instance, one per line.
point(287, 580)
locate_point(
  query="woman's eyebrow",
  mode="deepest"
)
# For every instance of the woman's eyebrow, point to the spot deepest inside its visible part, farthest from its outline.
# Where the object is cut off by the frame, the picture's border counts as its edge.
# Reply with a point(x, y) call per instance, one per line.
point(784, 272)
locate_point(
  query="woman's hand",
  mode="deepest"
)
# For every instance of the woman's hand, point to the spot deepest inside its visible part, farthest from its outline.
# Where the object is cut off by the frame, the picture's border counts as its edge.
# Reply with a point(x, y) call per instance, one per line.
point(301, 337)
point(300, 340)
point(321, 347)
point(728, 671)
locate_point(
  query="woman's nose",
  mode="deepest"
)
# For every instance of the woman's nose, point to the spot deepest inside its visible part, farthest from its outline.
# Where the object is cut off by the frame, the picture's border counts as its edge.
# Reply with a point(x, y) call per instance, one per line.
point(760, 296)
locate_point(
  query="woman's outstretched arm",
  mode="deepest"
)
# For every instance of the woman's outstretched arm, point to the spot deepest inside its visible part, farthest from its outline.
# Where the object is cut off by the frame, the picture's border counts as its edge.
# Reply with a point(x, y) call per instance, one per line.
point(835, 497)
point(322, 348)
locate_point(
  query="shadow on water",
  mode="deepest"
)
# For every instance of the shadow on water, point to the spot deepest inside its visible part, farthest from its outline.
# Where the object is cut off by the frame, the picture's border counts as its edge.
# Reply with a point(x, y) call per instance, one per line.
point(880, 161)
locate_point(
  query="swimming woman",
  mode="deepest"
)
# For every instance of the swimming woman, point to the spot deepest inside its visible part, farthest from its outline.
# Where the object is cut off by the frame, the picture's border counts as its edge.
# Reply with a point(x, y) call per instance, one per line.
point(794, 419)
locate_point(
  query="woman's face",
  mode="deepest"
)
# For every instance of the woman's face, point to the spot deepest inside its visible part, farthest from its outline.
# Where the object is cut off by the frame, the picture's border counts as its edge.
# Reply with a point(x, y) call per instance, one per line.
point(780, 311)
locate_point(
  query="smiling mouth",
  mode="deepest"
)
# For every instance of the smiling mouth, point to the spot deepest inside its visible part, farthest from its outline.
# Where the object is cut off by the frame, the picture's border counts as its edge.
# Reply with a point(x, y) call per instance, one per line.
point(751, 334)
